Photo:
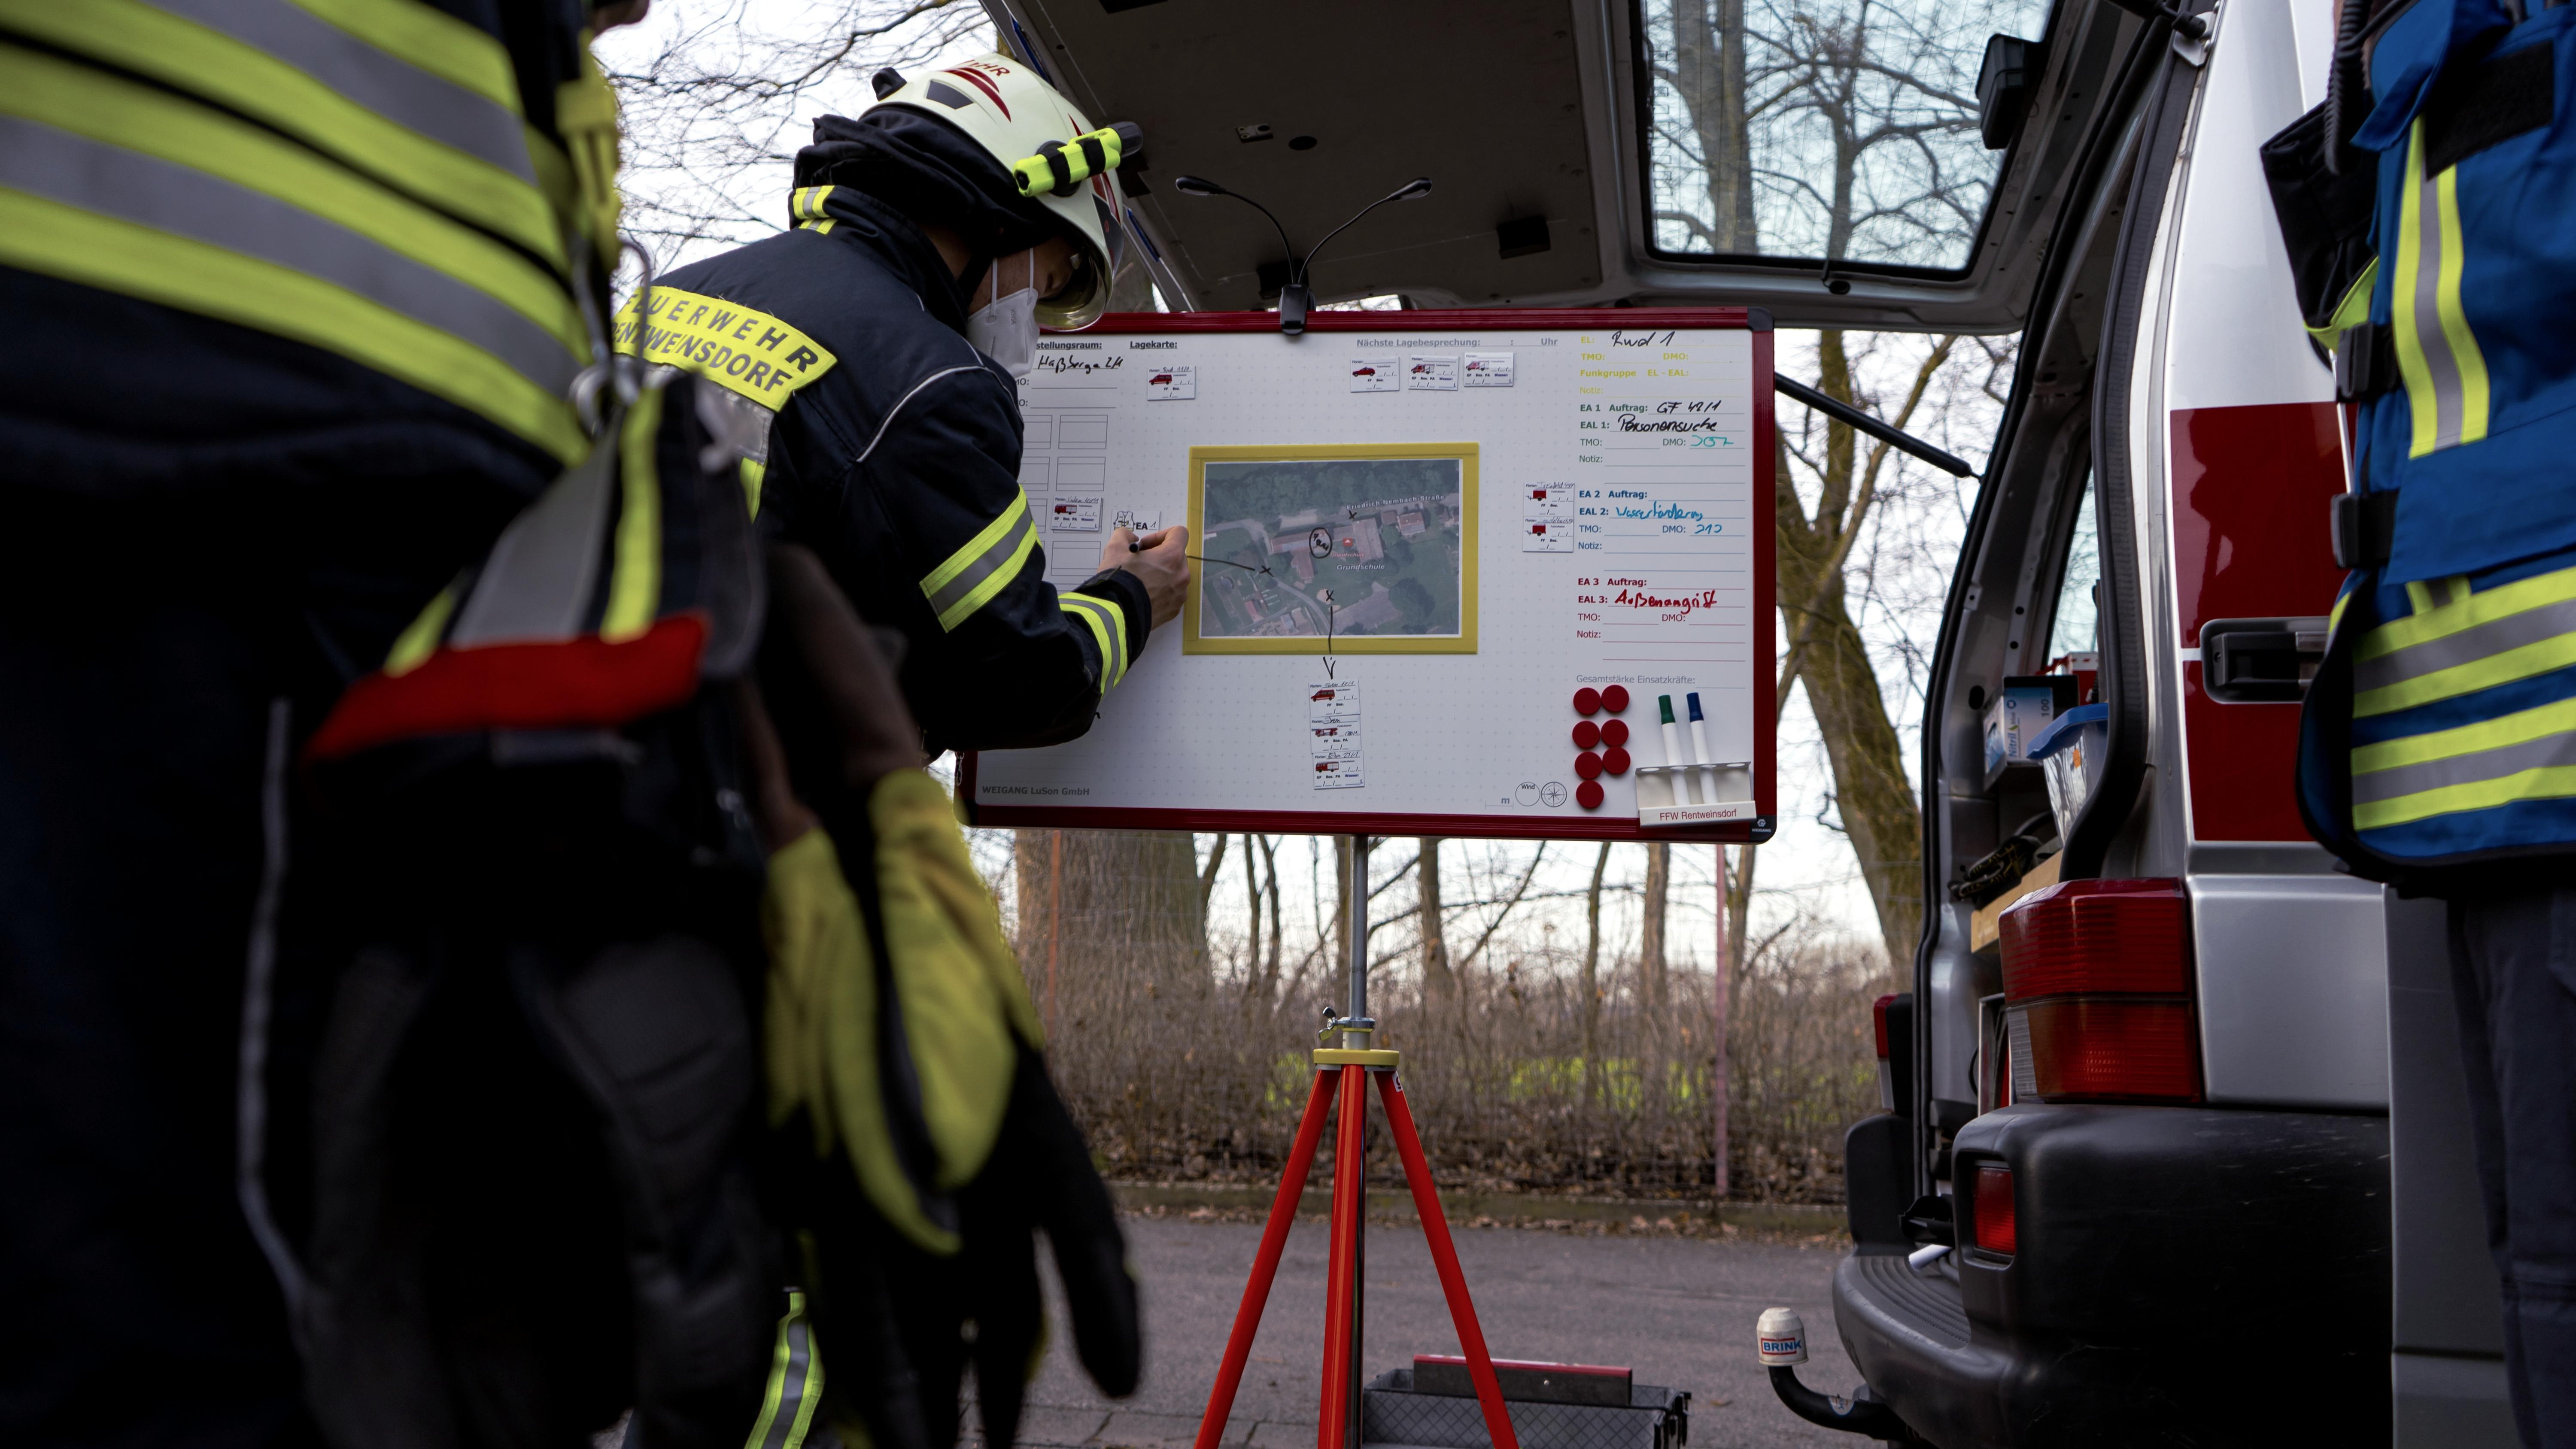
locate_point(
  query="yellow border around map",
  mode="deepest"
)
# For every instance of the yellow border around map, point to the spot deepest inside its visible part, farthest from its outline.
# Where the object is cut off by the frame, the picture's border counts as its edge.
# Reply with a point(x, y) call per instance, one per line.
point(1462, 642)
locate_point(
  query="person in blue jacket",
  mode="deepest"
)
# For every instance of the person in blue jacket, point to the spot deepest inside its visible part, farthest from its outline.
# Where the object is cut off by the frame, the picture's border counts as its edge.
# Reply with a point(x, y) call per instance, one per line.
point(2438, 745)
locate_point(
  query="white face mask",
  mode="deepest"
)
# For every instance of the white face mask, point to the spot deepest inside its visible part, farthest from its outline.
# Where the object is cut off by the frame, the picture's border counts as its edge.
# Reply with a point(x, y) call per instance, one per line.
point(1006, 328)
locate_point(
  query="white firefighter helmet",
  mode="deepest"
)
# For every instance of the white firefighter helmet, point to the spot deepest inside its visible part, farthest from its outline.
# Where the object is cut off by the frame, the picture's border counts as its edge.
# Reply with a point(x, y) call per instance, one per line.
point(1012, 113)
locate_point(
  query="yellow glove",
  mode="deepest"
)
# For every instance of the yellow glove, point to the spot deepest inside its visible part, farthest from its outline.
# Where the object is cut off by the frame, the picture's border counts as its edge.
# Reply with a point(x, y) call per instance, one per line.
point(964, 1007)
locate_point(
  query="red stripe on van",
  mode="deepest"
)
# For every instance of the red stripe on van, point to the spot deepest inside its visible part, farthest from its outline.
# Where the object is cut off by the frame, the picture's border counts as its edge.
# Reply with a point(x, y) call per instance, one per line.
point(2251, 487)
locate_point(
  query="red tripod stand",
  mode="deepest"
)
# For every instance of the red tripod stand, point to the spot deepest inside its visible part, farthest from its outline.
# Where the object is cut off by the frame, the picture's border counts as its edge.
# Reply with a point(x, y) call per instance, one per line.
point(1344, 1072)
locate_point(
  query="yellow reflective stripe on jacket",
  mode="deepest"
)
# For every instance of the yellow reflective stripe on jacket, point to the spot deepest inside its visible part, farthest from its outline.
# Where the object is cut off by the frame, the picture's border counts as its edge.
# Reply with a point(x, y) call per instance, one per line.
point(586, 115)
point(2352, 311)
point(432, 39)
point(2403, 757)
point(795, 1387)
point(2437, 354)
point(2474, 641)
point(419, 639)
point(2527, 755)
point(970, 577)
point(146, 124)
point(745, 350)
point(805, 208)
point(39, 234)
point(1108, 625)
point(635, 571)
point(455, 148)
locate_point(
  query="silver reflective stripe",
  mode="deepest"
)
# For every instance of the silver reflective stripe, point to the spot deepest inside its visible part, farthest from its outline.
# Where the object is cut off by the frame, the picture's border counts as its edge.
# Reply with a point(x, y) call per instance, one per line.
point(2450, 405)
point(165, 196)
point(2468, 646)
point(999, 554)
point(2494, 764)
point(1111, 626)
point(796, 1348)
point(394, 88)
point(259, 977)
point(538, 583)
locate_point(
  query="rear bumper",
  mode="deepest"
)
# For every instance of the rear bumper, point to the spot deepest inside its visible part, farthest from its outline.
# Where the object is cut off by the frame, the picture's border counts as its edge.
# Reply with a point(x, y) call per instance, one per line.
point(2183, 1276)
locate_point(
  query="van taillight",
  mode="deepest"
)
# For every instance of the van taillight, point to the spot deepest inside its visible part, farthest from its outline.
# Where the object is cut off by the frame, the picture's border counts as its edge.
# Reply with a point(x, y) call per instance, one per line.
point(1990, 1208)
point(2097, 993)
point(1886, 1079)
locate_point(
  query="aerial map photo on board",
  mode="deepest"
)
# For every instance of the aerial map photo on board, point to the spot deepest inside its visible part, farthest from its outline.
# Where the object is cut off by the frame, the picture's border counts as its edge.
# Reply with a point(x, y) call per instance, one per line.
point(1357, 547)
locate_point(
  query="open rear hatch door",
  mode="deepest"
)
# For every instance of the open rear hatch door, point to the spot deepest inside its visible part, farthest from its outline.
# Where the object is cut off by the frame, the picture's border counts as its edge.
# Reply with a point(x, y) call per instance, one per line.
point(1829, 162)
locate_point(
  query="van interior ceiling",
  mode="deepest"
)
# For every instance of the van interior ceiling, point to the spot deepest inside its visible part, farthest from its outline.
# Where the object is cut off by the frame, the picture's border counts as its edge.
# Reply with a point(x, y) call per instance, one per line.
point(1550, 147)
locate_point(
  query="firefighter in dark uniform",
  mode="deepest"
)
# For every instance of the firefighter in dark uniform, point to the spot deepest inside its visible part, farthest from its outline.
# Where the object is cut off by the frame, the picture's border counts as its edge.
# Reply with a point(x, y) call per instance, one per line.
point(873, 350)
point(297, 306)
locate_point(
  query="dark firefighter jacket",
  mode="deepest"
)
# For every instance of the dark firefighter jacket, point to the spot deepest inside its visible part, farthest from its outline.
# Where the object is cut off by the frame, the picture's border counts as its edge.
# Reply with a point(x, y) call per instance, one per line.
point(895, 456)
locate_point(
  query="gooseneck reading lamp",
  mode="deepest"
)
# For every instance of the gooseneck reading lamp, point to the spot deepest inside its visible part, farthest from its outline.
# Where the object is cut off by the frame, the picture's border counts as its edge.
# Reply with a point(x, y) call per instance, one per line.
point(1296, 299)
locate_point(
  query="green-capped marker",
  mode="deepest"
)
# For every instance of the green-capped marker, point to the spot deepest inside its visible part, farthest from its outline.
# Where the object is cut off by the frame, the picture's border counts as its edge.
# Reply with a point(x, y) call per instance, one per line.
point(1672, 737)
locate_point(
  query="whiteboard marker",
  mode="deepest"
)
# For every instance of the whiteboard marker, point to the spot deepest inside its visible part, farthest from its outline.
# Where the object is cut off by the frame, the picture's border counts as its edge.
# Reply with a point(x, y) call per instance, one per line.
point(1706, 774)
point(1686, 780)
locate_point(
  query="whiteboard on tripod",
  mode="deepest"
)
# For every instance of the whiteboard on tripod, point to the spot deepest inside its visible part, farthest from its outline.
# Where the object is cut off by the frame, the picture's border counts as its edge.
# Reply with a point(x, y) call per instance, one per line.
point(1451, 569)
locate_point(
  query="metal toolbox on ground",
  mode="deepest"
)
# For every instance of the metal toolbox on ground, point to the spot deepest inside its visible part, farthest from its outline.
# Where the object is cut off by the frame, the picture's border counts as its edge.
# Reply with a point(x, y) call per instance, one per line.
point(1432, 1405)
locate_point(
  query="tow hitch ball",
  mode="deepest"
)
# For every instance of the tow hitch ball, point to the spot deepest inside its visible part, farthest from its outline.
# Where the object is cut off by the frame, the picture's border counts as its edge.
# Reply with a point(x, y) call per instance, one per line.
point(1784, 1346)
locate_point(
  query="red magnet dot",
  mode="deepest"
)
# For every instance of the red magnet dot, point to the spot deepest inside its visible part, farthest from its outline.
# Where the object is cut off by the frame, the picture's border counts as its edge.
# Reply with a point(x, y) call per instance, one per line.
point(1587, 701)
point(1587, 734)
point(1587, 764)
point(1615, 698)
point(1615, 732)
point(1588, 794)
point(1615, 760)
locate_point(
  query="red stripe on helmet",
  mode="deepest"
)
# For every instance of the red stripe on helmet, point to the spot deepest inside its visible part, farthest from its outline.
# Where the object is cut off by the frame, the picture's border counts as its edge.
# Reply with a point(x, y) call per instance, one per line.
point(991, 91)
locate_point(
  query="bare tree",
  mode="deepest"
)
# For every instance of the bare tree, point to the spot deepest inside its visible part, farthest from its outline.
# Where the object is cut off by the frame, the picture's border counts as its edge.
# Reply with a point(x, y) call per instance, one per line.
point(1830, 130)
point(713, 98)
point(1653, 970)
point(1591, 983)
point(1872, 794)
point(1436, 979)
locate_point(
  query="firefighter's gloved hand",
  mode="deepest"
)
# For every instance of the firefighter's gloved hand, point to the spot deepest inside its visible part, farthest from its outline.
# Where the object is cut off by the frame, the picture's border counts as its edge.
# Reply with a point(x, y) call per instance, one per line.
point(942, 1112)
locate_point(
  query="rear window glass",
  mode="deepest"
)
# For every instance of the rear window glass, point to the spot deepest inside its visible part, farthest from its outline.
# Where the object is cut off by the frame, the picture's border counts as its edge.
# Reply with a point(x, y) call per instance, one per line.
point(1842, 129)
point(2071, 627)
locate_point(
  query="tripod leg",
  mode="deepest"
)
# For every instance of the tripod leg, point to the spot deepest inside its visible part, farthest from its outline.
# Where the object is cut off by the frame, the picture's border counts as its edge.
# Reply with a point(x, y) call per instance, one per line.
point(1265, 1264)
point(1339, 1321)
point(1444, 1257)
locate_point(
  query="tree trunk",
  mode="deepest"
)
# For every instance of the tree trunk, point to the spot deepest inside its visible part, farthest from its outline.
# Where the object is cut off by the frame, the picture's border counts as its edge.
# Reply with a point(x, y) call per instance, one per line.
point(1872, 794)
point(1437, 983)
point(1708, 60)
point(1103, 903)
point(1592, 978)
point(1653, 971)
point(1721, 1003)
point(1738, 903)
point(1278, 934)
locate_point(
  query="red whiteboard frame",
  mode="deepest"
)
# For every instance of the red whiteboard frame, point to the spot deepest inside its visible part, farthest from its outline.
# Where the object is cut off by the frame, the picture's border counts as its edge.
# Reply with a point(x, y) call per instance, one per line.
point(1766, 644)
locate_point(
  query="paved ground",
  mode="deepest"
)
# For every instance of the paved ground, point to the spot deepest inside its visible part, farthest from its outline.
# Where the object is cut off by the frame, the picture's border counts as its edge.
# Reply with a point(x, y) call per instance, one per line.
point(1679, 1311)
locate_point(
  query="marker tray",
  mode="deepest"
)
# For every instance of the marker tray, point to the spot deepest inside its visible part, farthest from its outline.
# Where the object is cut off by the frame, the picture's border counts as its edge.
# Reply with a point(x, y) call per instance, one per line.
point(1664, 795)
